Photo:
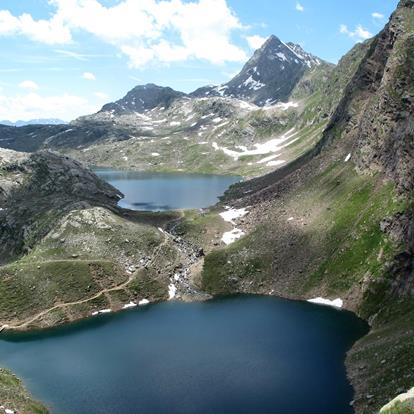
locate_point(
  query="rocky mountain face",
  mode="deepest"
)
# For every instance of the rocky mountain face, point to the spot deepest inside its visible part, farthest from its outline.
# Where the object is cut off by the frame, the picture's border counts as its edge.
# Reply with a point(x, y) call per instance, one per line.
point(143, 98)
point(269, 76)
point(345, 209)
point(32, 185)
point(377, 109)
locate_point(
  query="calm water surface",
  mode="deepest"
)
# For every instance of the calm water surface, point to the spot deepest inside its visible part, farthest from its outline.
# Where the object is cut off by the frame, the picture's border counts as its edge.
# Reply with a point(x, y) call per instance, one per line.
point(166, 191)
point(236, 355)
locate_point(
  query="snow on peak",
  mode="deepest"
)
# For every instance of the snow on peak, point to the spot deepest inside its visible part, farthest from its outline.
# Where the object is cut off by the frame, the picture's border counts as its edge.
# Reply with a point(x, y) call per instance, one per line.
point(253, 84)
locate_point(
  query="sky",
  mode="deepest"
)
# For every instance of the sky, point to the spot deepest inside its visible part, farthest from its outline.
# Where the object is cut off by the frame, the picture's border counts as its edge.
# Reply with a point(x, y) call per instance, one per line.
point(66, 58)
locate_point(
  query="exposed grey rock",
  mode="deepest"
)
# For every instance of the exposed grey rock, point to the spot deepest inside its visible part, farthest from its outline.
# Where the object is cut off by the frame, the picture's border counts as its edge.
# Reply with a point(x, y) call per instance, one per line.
point(141, 98)
point(269, 76)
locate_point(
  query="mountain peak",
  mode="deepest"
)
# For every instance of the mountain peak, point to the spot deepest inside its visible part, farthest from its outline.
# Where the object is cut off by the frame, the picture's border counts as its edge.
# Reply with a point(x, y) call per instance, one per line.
point(143, 98)
point(269, 75)
point(270, 41)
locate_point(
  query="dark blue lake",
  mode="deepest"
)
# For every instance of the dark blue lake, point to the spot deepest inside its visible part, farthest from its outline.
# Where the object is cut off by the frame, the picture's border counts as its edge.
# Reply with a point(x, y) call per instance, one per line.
point(235, 355)
point(166, 191)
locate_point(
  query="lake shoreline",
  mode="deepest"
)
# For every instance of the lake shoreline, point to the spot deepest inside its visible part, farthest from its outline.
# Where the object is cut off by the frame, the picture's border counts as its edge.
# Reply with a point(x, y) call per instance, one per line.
point(117, 320)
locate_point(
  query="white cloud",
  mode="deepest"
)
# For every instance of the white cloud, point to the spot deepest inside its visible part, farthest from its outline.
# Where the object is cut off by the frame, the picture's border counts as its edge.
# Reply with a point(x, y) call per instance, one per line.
point(101, 95)
point(141, 30)
point(33, 106)
point(377, 15)
point(51, 31)
point(255, 41)
point(88, 76)
point(299, 7)
point(28, 84)
point(358, 34)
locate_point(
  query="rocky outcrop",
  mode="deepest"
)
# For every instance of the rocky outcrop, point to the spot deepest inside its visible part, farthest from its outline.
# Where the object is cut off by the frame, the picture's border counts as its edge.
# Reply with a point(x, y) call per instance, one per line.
point(36, 189)
point(377, 110)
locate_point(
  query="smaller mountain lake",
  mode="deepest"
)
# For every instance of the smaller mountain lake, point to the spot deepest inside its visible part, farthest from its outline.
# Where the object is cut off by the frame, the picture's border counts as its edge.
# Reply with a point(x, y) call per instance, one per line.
point(242, 354)
point(166, 191)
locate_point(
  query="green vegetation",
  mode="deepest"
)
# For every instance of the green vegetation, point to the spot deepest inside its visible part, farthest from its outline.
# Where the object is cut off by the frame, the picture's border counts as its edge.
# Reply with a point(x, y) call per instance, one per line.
point(77, 268)
point(335, 238)
point(355, 245)
point(381, 362)
point(28, 288)
point(14, 396)
point(202, 229)
point(400, 408)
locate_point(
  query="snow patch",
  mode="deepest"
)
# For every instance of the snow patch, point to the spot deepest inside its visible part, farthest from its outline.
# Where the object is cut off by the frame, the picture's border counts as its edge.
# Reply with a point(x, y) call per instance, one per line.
point(232, 214)
point(284, 106)
point(281, 56)
point(273, 145)
point(129, 305)
point(155, 154)
point(253, 84)
point(231, 236)
point(248, 106)
point(337, 303)
point(275, 163)
point(267, 159)
point(172, 290)
point(102, 311)
point(229, 215)
point(407, 396)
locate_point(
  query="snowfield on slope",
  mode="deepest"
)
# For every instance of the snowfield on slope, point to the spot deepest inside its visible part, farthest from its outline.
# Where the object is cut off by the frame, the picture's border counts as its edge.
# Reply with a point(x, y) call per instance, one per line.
point(230, 215)
point(273, 145)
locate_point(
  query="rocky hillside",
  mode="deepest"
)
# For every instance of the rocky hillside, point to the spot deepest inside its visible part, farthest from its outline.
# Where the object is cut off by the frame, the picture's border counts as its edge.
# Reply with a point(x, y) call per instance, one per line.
point(338, 222)
point(67, 251)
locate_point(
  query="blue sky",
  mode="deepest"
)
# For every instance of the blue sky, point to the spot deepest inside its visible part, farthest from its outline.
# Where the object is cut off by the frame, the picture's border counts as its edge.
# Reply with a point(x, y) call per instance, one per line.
point(65, 58)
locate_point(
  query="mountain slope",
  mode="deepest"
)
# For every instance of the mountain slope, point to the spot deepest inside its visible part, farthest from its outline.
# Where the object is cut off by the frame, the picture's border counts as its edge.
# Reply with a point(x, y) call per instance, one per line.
point(269, 76)
point(215, 134)
point(338, 221)
point(67, 250)
point(143, 98)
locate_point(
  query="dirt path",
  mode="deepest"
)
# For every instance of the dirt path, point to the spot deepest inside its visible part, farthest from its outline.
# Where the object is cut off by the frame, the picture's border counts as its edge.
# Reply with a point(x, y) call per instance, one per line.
point(105, 291)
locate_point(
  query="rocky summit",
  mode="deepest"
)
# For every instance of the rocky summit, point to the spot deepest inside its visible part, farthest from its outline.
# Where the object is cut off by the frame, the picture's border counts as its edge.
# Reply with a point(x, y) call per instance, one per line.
point(143, 98)
point(269, 76)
